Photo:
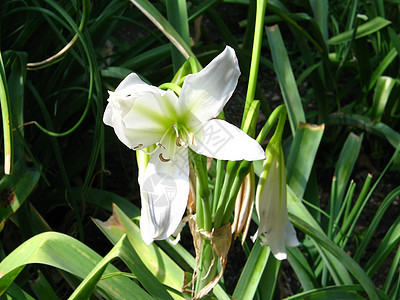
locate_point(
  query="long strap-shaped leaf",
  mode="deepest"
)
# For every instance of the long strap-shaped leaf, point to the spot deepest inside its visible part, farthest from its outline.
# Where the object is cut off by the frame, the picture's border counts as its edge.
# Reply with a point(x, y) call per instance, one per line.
point(162, 24)
point(7, 121)
point(66, 253)
point(350, 264)
point(124, 251)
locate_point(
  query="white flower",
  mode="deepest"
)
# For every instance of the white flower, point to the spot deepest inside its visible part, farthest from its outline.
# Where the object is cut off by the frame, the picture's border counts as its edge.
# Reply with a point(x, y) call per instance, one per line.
point(275, 229)
point(143, 115)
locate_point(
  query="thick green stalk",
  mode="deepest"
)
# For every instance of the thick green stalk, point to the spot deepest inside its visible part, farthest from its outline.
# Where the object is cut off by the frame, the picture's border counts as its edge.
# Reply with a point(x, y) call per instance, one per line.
point(219, 179)
point(270, 123)
point(231, 168)
point(202, 191)
point(207, 267)
point(244, 169)
point(255, 56)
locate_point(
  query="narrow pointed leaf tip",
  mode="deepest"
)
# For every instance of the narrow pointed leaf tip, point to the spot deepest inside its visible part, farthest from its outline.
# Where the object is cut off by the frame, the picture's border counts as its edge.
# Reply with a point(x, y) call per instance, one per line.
point(275, 229)
point(143, 115)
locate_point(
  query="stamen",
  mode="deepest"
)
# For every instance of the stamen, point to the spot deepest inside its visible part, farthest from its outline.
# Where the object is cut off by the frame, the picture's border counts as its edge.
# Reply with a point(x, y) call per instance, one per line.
point(176, 130)
point(151, 152)
point(163, 159)
point(178, 141)
point(138, 146)
point(160, 145)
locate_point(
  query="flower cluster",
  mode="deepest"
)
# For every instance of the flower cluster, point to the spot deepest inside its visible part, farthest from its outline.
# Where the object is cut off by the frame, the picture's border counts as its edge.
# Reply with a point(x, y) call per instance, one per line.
point(143, 115)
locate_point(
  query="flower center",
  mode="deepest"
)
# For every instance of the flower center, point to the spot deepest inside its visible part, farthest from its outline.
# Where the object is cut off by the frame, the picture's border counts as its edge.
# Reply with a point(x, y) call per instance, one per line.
point(183, 136)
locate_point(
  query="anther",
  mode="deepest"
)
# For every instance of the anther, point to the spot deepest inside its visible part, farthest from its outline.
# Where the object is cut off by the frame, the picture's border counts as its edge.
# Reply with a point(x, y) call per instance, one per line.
point(163, 159)
point(176, 129)
point(178, 141)
point(160, 145)
point(138, 146)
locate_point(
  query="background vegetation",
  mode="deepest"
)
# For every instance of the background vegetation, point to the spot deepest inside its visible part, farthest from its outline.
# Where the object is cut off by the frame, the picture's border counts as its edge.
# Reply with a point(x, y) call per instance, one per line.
point(335, 64)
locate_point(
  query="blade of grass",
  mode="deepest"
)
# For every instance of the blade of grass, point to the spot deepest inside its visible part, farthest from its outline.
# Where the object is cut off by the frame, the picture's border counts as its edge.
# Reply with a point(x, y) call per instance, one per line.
point(344, 167)
point(378, 128)
point(302, 268)
point(320, 9)
point(251, 275)
point(178, 18)
point(384, 86)
point(162, 24)
point(390, 278)
point(286, 79)
point(302, 155)
point(365, 29)
point(388, 243)
point(330, 292)
point(68, 254)
point(42, 288)
point(16, 188)
point(353, 267)
point(87, 286)
point(7, 121)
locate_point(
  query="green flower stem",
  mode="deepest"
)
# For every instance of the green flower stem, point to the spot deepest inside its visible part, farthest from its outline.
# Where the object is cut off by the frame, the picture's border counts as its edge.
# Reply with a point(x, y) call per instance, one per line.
point(232, 191)
point(219, 179)
point(242, 172)
point(172, 86)
point(237, 171)
point(203, 209)
point(231, 169)
point(199, 206)
point(245, 166)
point(206, 268)
point(271, 122)
point(281, 124)
point(255, 57)
point(7, 121)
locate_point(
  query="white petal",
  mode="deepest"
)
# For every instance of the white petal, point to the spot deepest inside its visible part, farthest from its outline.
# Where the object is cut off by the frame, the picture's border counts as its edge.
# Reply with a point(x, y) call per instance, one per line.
point(133, 84)
point(290, 234)
point(221, 140)
point(113, 117)
point(164, 190)
point(205, 94)
point(140, 113)
point(150, 116)
point(275, 228)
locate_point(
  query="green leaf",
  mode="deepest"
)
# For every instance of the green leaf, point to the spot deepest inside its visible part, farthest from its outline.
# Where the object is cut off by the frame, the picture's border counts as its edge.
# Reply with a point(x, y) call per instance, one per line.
point(14, 189)
point(7, 121)
point(252, 272)
point(382, 91)
point(286, 78)
point(344, 167)
point(353, 267)
point(365, 29)
point(302, 155)
point(302, 269)
point(87, 286)
point(320, 9)
point(42, 288)
point(162, 24)
point(155, 259)
point(65, 253)
point(178, 18)
point(15, 292)
point(330, 292)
